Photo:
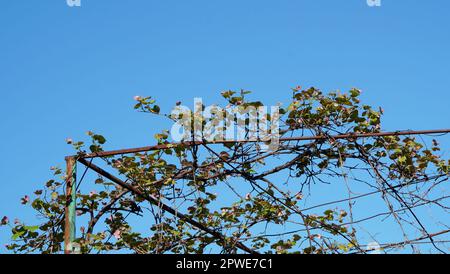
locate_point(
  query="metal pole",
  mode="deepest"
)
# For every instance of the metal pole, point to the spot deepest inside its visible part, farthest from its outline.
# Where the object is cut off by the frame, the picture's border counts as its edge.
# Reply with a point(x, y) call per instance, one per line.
point(286, 139)
point(69, 226)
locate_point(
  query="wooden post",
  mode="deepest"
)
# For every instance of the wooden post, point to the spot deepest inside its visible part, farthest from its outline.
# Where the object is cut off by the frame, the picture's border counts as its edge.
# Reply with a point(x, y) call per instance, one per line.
point(69, 226)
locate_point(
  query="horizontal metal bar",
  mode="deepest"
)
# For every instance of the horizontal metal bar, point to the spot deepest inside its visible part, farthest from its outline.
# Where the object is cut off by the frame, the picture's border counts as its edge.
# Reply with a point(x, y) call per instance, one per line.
point(286, 139)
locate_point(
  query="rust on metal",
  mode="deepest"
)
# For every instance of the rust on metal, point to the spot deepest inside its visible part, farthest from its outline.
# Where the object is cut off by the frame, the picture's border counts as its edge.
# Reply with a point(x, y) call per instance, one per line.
point(69, 224)
point(69, 233)
point(286, 139)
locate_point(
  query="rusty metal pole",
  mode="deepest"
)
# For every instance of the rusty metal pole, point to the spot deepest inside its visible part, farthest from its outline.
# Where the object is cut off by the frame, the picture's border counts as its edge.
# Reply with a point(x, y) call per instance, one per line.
point(69, 226)
point(286, 139)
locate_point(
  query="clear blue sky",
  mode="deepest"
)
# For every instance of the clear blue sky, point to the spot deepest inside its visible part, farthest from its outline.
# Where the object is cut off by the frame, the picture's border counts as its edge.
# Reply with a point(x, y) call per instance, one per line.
point(65, 70)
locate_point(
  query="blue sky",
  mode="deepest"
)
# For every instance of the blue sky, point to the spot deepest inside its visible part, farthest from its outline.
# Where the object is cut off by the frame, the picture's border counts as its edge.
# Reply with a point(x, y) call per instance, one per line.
point(65, 70)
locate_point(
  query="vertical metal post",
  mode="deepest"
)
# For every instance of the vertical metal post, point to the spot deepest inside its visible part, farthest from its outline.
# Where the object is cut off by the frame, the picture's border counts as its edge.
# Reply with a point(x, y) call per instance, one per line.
point(69, 226)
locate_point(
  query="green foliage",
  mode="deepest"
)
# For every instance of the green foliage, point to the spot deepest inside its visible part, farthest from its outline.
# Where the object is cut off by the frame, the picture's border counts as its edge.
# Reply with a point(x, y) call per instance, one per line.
point(181, 177)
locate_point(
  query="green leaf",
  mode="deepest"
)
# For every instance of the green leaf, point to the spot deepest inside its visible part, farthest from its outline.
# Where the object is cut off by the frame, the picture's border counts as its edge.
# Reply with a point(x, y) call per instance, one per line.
point(156, 109)
point(355, 92)
point(100, 139)
point(32, 228)
point(16, 235)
